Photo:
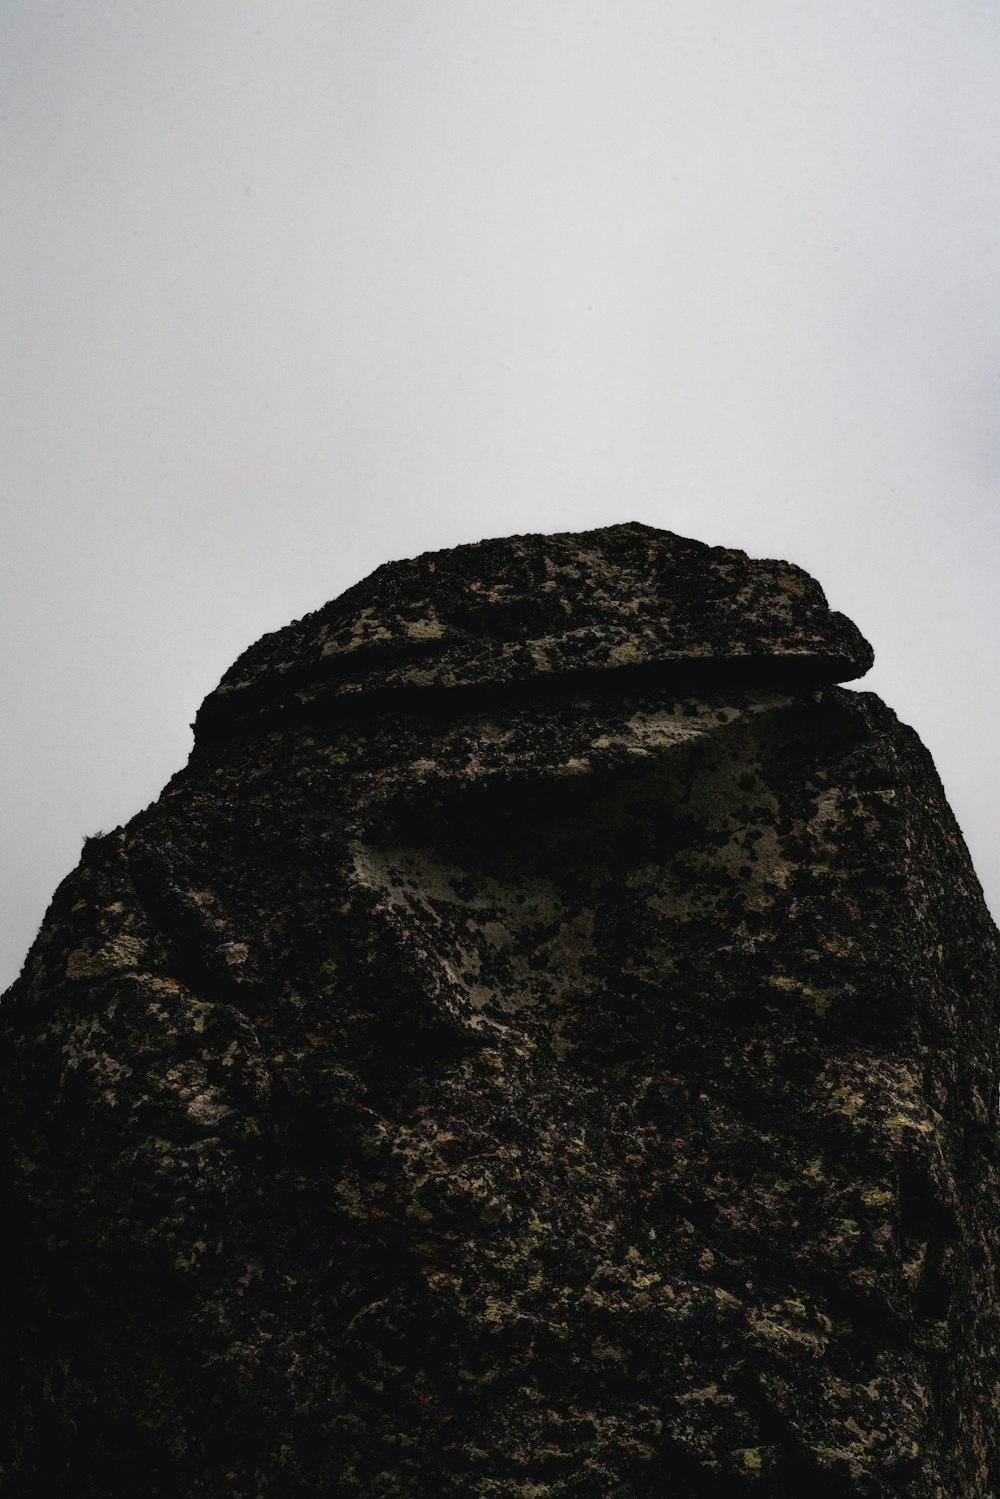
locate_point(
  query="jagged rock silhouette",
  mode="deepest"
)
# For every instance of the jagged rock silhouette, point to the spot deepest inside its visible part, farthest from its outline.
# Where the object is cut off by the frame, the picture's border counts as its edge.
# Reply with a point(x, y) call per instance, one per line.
point(544, 1044)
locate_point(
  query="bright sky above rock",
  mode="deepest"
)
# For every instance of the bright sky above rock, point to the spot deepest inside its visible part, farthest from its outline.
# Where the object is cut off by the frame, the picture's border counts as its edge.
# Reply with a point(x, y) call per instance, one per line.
point(289, 289)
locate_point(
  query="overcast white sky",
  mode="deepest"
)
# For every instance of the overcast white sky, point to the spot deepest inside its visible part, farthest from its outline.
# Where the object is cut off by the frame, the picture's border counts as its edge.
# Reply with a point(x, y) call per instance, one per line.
point(290, 287)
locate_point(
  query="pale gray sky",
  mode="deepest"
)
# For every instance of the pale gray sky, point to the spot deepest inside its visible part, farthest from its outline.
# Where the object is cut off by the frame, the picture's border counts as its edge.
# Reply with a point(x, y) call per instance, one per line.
point(290, 287)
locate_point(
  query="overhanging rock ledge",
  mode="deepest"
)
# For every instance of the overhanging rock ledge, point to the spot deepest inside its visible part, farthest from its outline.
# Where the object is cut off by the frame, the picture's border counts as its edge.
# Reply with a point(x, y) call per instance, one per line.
point(543, 1045)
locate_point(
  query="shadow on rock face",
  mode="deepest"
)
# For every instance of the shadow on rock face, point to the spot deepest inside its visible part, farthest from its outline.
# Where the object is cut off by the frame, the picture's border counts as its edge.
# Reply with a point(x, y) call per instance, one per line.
point(492, 1091)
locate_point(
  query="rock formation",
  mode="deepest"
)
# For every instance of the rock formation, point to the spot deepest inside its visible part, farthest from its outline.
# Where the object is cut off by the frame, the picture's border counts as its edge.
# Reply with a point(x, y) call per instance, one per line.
point(543, 1046)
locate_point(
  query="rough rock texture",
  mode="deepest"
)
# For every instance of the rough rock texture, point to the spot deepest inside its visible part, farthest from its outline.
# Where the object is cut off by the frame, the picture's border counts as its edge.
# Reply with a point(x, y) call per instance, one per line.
point(544, 1044)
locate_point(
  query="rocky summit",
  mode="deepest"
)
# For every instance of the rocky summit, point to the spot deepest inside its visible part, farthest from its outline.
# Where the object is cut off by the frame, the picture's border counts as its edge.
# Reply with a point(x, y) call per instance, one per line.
point(543, 1046)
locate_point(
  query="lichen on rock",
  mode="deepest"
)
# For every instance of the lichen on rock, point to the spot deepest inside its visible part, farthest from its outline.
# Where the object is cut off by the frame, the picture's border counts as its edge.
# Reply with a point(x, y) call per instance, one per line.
point(543, 1044)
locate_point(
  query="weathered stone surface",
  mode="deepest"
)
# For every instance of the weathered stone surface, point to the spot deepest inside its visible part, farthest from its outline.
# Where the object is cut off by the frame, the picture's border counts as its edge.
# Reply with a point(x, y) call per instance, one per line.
point(543, 1044)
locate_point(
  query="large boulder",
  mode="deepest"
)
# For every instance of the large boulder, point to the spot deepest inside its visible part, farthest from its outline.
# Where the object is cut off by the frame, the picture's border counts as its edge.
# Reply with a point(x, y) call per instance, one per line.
point(544, 1044)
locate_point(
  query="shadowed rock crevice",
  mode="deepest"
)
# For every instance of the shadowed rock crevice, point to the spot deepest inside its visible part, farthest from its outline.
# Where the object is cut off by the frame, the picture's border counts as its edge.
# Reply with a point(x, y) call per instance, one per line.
point(544, 1044)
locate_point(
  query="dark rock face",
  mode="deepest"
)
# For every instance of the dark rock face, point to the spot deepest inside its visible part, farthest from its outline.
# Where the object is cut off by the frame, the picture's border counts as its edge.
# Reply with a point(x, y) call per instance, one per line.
point(544, 1044)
